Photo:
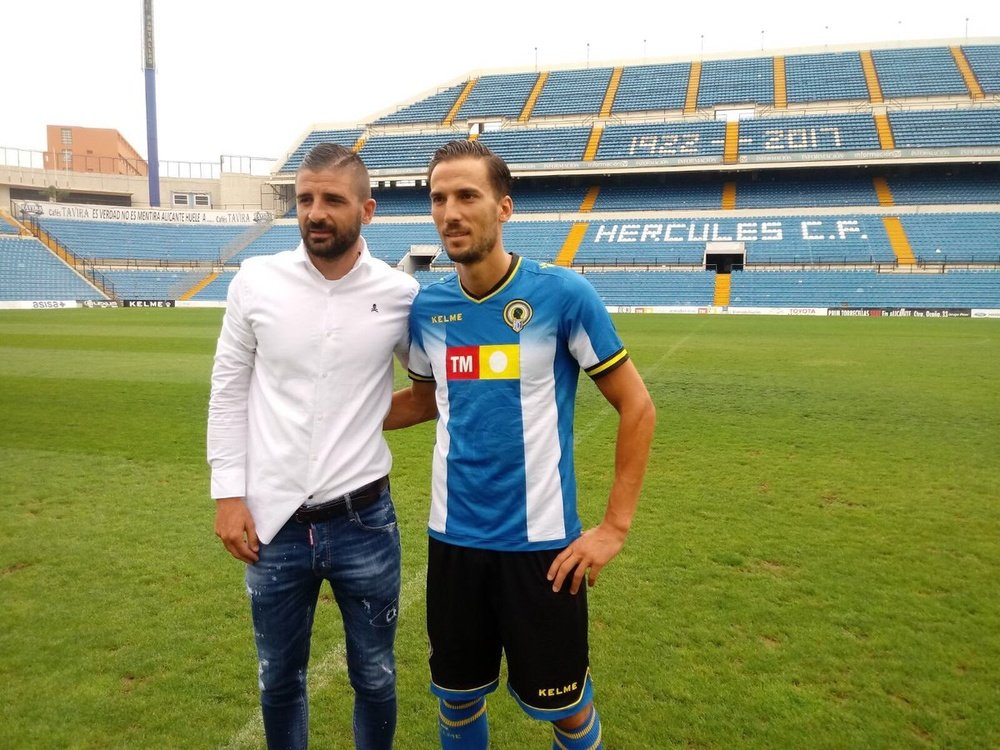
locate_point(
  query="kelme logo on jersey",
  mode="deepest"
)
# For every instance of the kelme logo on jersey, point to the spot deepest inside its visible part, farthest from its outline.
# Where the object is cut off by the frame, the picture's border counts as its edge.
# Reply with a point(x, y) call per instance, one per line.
point(495, 362)
point(516, 314)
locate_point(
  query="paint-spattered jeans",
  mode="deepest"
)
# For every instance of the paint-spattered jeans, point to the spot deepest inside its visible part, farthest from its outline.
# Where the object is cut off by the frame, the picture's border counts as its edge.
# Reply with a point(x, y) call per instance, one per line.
point(359, 554)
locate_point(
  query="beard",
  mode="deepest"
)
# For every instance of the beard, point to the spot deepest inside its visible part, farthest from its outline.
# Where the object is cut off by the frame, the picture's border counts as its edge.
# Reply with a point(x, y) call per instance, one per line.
point(333, 247)
point(475, 252)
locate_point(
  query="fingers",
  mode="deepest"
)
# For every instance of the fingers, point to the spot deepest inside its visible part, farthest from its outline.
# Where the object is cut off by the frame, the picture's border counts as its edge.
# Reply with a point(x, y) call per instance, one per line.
point(572, 560)
point(235, 527)
point(251, 547)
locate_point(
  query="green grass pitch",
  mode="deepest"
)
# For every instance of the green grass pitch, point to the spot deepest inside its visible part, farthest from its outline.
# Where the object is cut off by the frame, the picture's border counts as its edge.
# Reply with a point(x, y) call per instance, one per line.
point(815, 562)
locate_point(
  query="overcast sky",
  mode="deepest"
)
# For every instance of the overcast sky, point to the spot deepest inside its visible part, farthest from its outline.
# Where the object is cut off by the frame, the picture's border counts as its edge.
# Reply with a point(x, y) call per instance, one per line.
point(249, 77)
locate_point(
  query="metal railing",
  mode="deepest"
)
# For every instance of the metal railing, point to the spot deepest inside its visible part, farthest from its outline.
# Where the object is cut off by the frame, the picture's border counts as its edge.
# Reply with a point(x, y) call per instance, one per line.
point(54, 161)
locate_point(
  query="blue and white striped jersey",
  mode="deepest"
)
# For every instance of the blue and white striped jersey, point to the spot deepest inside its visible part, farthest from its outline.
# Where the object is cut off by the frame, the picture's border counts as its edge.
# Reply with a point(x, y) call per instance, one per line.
point(506, 368)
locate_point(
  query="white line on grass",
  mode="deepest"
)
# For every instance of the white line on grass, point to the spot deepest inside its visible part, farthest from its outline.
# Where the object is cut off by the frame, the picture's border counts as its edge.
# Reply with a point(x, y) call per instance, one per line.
point(583, 430)
point(333, 663)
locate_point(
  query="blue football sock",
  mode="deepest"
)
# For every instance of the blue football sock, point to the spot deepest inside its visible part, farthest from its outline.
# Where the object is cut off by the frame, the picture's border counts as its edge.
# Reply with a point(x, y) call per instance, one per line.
point(463, 726)
point(587, 736)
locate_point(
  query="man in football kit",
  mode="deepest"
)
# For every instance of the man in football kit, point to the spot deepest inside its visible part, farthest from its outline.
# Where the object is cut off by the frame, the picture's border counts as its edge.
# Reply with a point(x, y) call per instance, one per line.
point(495, 353)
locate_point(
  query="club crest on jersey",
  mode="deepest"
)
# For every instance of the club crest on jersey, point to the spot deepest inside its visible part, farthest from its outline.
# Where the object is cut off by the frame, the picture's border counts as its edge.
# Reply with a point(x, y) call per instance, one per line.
point(496, 362)
point(516, 314)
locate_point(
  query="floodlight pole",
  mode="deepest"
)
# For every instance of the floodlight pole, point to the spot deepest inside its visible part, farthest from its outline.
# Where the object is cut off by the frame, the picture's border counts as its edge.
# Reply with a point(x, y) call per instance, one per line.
point(149, 69)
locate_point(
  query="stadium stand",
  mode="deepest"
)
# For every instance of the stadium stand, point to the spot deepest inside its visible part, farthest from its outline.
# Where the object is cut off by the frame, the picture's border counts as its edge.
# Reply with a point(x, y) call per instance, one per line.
point(843, 178)
point(538, 145)
point(498, 96)
point(861, 289)
point(663, 140)
point(346, 137)
point(829, 76)
point(985, 64)
point(918, 72)
point(7, 225)
point(653, 287)
point(808, 134)
point(401, 151)
point(745, 81)
point(803, 190)
point(28, 271)
point(645, 88)
point(151, 243)
point(432, 109)
point(569, 92)
point(946, 128)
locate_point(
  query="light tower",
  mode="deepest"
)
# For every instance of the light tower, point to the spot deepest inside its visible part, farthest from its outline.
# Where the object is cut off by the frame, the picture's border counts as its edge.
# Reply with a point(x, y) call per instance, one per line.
point(149, 68)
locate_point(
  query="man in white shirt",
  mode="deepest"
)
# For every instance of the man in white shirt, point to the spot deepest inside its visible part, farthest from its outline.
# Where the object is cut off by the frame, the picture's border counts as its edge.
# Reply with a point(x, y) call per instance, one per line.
point(301, 384)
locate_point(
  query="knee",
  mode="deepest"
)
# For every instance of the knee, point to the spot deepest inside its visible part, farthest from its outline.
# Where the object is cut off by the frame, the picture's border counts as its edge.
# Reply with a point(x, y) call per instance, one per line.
point(579, 731)
point(375, 681)
point(276, 683)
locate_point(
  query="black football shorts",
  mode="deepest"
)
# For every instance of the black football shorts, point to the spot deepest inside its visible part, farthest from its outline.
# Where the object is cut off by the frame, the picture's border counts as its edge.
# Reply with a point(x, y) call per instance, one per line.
point(484, 603)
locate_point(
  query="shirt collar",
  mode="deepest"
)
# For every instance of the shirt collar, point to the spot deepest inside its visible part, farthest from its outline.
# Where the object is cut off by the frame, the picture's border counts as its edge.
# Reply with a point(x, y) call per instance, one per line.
point(303, 257)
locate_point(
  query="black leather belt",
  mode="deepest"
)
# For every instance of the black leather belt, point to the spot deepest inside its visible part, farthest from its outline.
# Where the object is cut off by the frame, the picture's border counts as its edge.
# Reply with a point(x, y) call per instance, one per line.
point(357, 500)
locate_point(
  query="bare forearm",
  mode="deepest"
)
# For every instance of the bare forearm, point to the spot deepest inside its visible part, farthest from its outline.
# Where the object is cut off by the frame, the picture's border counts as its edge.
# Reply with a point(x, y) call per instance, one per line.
point(411, 406)
point(635, 436)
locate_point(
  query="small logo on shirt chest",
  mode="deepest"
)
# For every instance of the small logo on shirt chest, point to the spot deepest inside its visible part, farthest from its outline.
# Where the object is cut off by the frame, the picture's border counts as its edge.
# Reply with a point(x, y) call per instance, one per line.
point(516, 314)
point(450, 318)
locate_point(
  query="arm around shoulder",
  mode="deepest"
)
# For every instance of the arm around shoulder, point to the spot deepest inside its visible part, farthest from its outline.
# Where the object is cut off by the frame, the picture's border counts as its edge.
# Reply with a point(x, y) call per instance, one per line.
point(411, 406)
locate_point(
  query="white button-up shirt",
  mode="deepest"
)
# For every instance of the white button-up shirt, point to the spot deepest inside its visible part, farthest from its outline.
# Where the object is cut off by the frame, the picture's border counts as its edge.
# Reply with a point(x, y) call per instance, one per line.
point(303, 379)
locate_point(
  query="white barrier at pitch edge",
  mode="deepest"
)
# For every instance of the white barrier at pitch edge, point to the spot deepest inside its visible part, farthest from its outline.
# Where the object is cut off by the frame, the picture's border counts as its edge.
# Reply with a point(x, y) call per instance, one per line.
point(992, 313)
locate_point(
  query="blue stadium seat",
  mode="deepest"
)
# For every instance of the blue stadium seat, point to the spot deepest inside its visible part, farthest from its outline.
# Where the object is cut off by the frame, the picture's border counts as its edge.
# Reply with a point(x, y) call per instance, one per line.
point(930, 71)
point(828, 76)
point(498, 96)
point(744, 81)
point(30, 271)
point(645, 88)
point(570, 92)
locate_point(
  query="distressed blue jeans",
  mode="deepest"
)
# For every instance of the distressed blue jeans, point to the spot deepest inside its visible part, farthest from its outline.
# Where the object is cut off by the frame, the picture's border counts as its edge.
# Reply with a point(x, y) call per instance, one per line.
point(359, 555)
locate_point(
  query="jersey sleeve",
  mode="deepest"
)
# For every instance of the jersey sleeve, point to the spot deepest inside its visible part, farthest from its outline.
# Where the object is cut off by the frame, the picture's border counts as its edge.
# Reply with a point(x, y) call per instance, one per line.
point(593, 339)
point(419, 366)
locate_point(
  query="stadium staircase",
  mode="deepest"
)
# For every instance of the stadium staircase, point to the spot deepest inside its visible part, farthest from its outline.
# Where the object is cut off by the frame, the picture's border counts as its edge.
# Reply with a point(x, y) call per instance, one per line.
point(898, 240)
point(572, 243)
point(723, 286)
point(536, 91)
point(609, 95)
point(729, 195)
point(21, 230)
point(235, 247)
point(883, 191)
point(691, 99)
point(780, 88)
point(453, 113)
point(590, 199)
point(975, 90)
point(593, 143)
point(732, 147)
point(884, 130)
point(871, 77)
point(190, 293)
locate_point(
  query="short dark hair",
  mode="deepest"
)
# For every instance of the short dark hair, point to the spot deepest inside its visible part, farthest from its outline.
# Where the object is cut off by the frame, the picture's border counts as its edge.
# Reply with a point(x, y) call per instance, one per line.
point(496, 168)
point(334, 156)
